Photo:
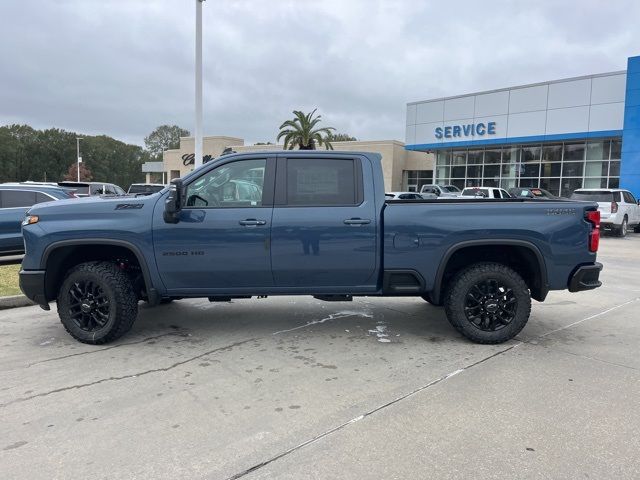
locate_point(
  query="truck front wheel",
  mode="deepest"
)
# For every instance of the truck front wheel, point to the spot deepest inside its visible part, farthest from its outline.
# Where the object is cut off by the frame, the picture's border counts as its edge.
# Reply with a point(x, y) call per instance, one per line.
point(488, 303)
point(97, 303)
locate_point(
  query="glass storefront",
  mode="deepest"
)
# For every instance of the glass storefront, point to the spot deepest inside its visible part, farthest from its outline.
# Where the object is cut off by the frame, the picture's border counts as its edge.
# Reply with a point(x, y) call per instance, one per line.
point(414, 179)
point(559, 167)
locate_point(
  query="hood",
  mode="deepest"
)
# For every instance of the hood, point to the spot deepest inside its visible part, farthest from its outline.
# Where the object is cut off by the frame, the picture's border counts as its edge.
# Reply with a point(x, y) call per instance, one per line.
point(95, 205)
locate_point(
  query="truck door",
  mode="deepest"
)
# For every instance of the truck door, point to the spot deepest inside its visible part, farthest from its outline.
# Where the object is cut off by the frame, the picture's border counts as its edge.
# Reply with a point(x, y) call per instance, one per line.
point(222, 238)
point(324, 226)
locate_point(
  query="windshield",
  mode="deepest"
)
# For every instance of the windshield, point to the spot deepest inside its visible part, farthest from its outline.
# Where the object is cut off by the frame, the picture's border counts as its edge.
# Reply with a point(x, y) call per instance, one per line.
point(148, 189)
point(539, 192)
point(593, 196)
point(451, 189)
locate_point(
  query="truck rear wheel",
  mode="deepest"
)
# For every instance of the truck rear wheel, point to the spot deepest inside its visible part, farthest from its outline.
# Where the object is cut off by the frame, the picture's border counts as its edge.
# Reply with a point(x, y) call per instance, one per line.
point(488, 303)
point(97, 303)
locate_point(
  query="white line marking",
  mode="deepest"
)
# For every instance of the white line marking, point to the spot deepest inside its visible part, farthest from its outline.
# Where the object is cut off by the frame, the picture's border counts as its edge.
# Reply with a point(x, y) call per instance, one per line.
point(589, 318)
point(333, 316)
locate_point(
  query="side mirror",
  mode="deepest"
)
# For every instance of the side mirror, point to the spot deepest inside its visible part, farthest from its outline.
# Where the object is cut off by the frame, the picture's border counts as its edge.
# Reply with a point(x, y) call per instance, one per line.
point(173, 203)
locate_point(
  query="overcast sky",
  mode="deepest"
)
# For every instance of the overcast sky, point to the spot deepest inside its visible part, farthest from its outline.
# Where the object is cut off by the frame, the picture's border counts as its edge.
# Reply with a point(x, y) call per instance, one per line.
point(122, 67)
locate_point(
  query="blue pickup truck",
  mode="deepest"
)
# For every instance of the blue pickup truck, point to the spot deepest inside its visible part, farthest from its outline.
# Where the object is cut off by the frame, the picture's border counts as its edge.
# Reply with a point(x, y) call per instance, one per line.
point(304, 223)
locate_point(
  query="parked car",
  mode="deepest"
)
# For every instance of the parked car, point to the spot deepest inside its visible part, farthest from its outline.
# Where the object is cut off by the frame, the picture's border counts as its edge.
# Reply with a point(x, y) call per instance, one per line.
point(144, 188)
point(87, 189)
point(530, 192)
point(619, 209)
point(15, 200)
point(409, 196)
point(321, 227)
point(485, 192)
point(441, 190)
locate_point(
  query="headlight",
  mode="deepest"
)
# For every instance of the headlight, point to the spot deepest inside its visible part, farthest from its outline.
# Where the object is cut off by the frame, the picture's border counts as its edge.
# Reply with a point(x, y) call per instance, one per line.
point(30, 220)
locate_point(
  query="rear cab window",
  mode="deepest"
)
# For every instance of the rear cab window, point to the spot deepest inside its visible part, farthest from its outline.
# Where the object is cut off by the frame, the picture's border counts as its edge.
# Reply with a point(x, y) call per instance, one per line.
point(595, 196)
point(476, 192)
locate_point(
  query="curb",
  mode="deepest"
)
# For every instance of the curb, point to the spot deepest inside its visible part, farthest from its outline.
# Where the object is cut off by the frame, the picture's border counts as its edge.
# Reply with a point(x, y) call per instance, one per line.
point(15, 301)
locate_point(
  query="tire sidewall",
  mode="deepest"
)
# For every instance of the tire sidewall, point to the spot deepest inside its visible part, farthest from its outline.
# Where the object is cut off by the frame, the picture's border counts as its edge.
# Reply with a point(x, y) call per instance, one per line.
point(76, 275)
point(471, 276)
point(624, 227)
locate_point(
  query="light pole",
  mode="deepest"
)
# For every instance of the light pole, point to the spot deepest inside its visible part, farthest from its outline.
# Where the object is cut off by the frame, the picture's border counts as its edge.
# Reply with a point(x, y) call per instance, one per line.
point(198, 132)
point(78, 155)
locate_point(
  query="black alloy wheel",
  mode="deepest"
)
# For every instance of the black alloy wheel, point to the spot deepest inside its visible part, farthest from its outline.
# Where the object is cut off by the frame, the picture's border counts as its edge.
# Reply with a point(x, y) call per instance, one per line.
point(490, 305)
point(89, 305)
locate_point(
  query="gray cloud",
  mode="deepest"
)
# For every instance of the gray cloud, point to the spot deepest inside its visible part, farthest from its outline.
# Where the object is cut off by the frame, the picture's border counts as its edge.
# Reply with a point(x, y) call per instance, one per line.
point(122, 67)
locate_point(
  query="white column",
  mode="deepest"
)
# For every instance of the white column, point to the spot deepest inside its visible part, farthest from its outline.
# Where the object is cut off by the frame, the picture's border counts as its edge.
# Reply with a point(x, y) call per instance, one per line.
point(198, 131)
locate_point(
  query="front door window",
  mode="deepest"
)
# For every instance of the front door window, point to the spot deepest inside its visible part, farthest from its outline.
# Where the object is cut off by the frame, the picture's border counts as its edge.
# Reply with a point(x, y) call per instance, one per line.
point(234, 185)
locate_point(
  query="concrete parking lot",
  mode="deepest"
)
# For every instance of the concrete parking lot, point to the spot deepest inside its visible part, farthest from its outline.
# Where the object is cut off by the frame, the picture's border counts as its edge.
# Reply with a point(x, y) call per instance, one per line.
point(297, 388)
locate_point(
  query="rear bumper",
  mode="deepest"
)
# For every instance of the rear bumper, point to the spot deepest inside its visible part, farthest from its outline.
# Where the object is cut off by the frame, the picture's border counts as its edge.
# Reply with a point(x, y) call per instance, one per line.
point(585, 278)
point(32, 285)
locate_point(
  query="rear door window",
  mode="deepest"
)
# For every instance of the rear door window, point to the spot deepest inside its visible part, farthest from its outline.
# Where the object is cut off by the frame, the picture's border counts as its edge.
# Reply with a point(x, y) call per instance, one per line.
point(628, 197)
point(316, 182)
point(97, 189)
point(41, 197)
point(17, 198)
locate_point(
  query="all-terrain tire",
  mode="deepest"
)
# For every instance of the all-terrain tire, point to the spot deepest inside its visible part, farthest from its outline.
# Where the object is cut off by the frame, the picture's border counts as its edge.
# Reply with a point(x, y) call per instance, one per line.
point(517, 300)
point(110, 290)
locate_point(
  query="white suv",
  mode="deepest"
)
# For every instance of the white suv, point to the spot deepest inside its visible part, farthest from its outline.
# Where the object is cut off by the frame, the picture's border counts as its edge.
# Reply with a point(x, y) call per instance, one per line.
point(485, 192)
point(619, 209)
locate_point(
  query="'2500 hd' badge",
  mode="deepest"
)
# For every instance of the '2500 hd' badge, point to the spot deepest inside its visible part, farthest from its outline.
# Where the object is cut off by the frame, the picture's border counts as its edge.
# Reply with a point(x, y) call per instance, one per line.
point(183, 253)
point(561, 211)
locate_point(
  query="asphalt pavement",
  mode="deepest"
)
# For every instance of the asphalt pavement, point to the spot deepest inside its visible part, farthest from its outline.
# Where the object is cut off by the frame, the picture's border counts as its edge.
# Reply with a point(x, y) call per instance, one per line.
point(296, 388)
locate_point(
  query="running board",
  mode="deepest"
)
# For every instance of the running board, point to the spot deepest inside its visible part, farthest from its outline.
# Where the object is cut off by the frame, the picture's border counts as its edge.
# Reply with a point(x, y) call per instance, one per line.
point(334, 298)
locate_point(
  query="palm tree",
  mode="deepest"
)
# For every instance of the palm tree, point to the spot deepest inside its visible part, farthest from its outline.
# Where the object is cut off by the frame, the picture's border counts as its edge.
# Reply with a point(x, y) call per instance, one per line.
point(301, 132)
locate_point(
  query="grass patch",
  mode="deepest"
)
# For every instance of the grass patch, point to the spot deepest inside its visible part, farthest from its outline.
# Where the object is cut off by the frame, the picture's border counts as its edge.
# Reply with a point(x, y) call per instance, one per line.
point(9, 280)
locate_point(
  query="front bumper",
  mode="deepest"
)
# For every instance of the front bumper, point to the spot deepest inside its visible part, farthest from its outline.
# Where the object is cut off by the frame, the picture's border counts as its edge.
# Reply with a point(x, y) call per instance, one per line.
point(585, 278)
point(32, 285)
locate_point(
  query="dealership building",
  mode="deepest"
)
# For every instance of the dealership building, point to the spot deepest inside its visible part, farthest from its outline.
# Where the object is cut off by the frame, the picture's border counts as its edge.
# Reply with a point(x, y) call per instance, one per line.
point(558, 135)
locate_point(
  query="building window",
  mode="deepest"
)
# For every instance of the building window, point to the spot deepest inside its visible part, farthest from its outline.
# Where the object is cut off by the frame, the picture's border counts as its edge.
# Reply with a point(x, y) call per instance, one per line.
point(415, 179)
point(573, 152)
point(557, 167)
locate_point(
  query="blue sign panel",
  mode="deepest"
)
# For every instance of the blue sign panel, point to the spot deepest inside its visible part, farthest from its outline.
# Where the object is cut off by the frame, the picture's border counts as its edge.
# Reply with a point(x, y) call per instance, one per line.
point(468, 130)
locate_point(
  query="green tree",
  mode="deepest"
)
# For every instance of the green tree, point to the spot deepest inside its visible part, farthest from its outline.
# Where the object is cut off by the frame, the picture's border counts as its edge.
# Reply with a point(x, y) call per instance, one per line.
point(301, 132)
point(341, 137)
point(163, 138)
point(45, 155)
point(72, 173)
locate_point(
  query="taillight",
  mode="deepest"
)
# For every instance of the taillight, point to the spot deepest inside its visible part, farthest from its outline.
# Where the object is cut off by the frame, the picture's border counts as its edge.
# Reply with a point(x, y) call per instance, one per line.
point(614, 207)
point(593, 217)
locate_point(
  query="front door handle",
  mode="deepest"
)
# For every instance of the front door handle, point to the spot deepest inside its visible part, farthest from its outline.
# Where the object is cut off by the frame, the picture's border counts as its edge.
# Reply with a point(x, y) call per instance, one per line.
point(357, 221)
point(252, 222)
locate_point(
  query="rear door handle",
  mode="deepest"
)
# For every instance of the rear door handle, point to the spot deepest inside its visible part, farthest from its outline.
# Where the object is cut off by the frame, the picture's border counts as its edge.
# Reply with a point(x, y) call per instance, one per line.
point(357, 221)
point(252, 222)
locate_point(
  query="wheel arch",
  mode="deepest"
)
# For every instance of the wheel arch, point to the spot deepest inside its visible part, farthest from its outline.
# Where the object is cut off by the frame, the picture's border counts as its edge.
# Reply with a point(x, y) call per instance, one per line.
point(523, 256)
point(57, 255)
